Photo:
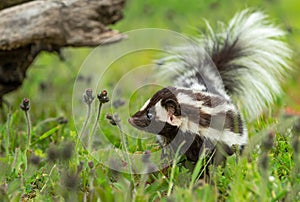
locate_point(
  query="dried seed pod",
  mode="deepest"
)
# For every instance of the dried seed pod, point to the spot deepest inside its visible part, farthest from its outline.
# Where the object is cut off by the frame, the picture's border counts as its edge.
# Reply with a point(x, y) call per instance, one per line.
point(88, 97)
point(25, 105)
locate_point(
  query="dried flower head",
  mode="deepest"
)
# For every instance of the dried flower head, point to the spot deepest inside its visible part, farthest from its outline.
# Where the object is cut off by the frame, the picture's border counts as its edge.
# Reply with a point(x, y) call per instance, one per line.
point(35, 160)
point(62, 120)
point(118, 103)
point(80, 167)
point(25, 105)
point(268, 142)
point(53, 153)
point(80, 78)
point(109, 116)
point(102, 97)
point(88, 97)
point(67, 151)
point(71, 181)
point(113, 119)
point(91, 164)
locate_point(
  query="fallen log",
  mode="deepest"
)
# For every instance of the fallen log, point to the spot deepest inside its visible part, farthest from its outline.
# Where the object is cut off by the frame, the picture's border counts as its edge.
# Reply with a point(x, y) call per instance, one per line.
point(46, 25)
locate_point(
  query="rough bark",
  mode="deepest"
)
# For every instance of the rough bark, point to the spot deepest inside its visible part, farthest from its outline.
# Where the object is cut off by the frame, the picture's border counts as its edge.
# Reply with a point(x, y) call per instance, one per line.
point(47, 25)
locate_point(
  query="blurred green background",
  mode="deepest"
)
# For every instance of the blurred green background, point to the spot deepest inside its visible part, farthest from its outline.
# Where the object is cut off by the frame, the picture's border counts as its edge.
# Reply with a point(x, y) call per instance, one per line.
point(50, 81)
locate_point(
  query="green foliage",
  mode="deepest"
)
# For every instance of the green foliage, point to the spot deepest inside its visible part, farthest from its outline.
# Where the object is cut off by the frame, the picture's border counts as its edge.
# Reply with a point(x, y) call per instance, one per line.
point(54, 168)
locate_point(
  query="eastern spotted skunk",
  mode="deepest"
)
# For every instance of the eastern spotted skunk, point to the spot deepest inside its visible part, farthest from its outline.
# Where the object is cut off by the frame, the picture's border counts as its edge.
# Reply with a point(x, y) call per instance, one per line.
point(233, 70)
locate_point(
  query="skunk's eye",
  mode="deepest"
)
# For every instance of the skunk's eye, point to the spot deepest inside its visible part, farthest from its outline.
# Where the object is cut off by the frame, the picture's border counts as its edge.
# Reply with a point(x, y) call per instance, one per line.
point(149, 114)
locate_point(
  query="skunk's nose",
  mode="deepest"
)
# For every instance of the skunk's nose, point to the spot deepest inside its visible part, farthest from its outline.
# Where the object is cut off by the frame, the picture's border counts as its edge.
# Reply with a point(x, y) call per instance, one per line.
point(137, 122)
point(134, 121)
point(131, 120)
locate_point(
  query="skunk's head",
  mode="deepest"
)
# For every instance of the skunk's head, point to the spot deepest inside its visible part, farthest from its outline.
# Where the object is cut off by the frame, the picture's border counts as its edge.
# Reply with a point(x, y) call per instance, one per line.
point(160, 114)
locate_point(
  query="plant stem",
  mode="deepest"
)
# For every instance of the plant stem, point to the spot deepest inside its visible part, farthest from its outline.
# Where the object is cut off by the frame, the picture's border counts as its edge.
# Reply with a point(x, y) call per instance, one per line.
point(176, 158)
point(84, 125)
point(50, 173)
point(8, 133)
point(90, 144)
point(124, 145)
point(28, 128)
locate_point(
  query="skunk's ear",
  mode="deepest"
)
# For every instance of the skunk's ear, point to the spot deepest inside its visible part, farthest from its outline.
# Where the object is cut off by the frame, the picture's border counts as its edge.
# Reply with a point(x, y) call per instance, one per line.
point(173, 111)
point(172, 106)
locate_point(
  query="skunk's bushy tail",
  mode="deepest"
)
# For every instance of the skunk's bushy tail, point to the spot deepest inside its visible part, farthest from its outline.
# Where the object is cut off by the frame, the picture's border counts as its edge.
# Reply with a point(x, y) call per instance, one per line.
point(250, 57)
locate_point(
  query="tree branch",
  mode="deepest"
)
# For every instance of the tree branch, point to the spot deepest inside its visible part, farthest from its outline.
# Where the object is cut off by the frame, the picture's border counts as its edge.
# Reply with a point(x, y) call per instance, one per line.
point(29, 28)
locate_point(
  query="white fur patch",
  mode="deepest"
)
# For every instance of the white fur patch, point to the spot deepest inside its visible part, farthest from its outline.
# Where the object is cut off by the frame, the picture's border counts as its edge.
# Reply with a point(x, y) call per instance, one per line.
point(188, 125)
point(187, 99)
point(220, 108)
point(226, 136)
point(163, 115)
point(145, 105)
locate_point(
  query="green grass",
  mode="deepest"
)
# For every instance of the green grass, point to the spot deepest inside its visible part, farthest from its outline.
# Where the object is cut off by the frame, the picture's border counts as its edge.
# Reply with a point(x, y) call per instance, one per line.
point(54, 168)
